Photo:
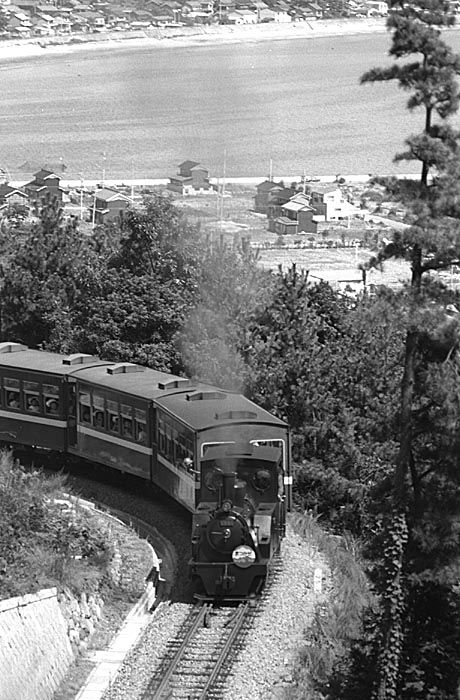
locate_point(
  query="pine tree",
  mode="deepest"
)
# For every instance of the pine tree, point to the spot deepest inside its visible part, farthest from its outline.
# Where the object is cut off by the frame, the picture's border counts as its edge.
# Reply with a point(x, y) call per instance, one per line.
point(431, 243)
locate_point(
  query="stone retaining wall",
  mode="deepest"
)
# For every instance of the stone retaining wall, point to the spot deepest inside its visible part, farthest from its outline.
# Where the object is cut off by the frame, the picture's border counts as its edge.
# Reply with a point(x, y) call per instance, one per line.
point(35, 651)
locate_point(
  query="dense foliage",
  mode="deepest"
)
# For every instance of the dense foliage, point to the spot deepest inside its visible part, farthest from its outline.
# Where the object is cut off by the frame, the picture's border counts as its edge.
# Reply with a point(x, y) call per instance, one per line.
point(43, 541)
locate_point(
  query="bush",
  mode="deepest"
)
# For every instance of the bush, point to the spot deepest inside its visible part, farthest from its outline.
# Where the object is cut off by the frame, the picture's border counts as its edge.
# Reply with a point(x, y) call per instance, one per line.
point(44, 540)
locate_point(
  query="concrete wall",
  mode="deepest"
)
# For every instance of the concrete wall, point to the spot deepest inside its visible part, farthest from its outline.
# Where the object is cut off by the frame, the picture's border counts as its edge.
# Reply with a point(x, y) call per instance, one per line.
point(35, 651)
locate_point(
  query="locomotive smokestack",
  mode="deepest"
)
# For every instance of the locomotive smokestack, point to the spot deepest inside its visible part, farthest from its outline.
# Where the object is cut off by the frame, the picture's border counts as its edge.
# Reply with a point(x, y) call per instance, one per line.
point(228, 492)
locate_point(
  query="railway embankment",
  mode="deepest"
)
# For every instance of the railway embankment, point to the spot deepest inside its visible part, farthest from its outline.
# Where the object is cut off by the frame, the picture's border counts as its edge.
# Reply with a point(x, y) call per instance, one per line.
point(36, 651)
point(48, 633)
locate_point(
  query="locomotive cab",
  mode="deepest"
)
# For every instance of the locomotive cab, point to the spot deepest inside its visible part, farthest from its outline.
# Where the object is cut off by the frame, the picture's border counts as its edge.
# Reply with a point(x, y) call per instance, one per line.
point(239, 521)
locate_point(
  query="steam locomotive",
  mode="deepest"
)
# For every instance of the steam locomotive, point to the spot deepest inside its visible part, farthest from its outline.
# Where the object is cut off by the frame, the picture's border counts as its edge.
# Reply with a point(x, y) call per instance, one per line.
point(218, 454)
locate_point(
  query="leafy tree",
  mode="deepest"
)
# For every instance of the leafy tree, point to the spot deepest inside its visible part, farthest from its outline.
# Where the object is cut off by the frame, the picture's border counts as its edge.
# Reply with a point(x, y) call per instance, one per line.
point(41, 276)
point(131, 306)
point(332, 371)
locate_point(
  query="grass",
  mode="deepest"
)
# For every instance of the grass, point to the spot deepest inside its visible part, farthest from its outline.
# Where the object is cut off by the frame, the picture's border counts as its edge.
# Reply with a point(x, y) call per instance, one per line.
point(337, 622)
point(45, 543)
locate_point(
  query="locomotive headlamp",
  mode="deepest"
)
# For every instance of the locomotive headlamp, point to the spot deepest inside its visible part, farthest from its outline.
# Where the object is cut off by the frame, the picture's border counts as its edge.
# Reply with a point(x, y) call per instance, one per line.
point(243, 556)
point(227, 506)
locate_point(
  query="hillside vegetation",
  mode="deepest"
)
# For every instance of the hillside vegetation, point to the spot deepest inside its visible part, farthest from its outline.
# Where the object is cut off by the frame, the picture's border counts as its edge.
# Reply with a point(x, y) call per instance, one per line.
point(44, 540)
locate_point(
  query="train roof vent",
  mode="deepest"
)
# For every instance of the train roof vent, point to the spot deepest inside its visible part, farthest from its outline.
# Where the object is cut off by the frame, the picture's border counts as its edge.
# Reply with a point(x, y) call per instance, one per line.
point(175, 384)
point(125, 368)
point(206, 395)
point(236, 415)
point(79, 358)
point(12, 347)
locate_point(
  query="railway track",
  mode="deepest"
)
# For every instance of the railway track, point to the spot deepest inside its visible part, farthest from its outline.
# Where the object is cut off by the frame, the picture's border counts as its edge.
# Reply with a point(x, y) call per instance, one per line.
point(197, 660)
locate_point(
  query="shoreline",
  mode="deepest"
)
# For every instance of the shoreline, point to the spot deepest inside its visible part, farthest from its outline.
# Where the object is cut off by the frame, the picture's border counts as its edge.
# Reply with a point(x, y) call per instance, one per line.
point(186, 37)
point(238, 181)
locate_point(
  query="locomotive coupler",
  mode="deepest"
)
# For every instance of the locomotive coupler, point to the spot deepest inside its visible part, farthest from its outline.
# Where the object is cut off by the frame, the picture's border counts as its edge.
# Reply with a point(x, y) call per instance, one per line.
point(225, 581)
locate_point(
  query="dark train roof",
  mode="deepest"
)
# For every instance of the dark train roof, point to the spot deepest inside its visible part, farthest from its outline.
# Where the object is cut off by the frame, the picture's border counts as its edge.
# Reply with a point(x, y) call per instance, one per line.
point(198, 405)
point(207, 407)
point(134, 379)
point(122, 376)
point(21, 357)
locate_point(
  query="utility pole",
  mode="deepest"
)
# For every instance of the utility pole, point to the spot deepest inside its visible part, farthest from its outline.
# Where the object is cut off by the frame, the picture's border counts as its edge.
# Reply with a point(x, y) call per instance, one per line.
point(103, 168)
point(94, 210)
point(132, 180)
point(81, 196)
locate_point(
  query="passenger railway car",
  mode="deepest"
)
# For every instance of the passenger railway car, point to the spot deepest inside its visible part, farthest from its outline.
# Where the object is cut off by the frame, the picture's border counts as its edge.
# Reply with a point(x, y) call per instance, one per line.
point(217, 453)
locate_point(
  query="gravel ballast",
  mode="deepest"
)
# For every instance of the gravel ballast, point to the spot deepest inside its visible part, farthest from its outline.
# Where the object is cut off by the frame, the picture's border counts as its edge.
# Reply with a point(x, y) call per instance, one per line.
point(270, 653)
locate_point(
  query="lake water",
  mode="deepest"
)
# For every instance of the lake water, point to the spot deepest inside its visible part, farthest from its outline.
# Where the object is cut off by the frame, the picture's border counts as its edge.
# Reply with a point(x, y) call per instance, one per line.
point(297, 102)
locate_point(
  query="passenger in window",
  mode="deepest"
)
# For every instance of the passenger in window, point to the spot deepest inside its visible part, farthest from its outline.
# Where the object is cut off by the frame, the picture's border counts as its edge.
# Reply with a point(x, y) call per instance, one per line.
point(188, 464)
point(33, 404)
point(99, 419)
point(12, 399)
point(114, 424)
point(86, 415)
point(127, 427)
point(141, 434)
point(52, 406)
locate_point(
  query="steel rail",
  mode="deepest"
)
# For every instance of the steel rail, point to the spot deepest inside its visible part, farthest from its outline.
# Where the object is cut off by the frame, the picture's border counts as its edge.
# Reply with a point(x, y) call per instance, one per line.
point(223, 654)
point(155, 691)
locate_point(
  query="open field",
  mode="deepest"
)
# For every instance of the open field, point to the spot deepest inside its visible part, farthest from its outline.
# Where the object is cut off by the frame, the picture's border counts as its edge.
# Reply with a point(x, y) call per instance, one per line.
point(233, 219)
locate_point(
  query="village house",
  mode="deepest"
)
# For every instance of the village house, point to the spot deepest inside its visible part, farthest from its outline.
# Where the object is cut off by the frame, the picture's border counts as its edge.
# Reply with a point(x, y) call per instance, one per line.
point(263, 198)
point(108, 205)
point(11, 196)
point(296, 210)
point(277, 199)
point(197, 9)
point(165, 13)
point(42, 188)
point(238, 17)
point(192, 178)
point(376, 8)
point(347, 282)
point(329, 203)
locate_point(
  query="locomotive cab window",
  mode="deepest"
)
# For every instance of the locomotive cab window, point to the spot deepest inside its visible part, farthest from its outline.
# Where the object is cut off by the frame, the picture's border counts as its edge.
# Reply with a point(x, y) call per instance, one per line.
point(262, 480)
point(214, 480)
point(12, 393)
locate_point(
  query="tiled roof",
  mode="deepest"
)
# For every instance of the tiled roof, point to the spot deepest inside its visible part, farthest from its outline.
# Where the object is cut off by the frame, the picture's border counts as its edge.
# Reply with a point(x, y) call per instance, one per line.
point(296, 206)
point(188, 164)
point(6, 190)
point(285, 220)
point(268, 185)
point(110, 195)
